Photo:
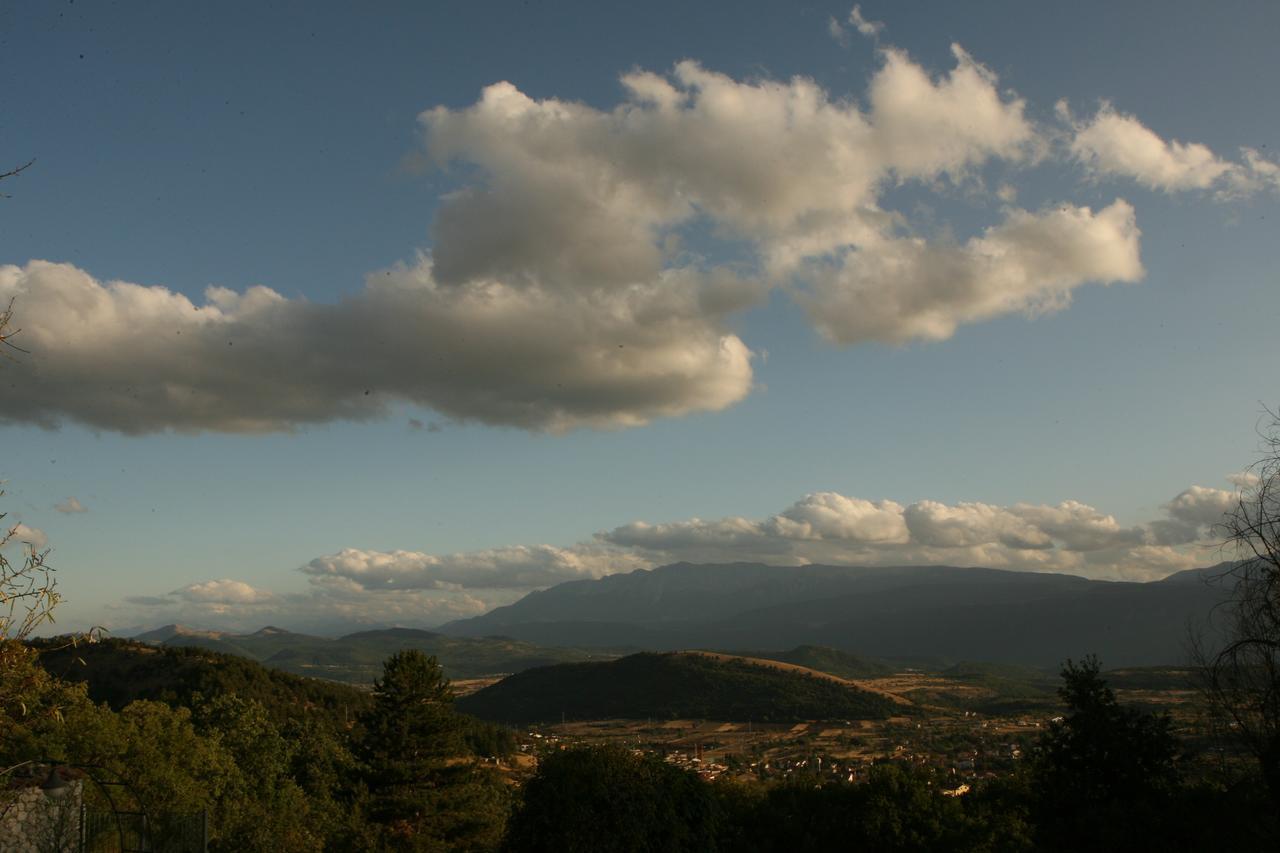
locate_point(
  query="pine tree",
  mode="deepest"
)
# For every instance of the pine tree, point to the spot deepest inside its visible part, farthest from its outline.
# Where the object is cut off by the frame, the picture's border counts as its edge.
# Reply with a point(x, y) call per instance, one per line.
point(424, 791)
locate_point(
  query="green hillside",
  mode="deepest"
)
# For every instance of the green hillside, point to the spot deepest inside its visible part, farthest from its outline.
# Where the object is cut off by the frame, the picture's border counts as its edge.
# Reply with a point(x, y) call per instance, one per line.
point(671, 686)
point(118, 672)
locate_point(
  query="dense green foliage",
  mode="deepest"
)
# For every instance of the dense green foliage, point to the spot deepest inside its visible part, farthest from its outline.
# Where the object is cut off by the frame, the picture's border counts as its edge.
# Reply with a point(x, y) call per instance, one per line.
point(418, 797)
point(118, 672)
point(898, 809)
point(278, 766)
point(608, 799)
point(671, 686)
point(277, 762)
point(221, 754)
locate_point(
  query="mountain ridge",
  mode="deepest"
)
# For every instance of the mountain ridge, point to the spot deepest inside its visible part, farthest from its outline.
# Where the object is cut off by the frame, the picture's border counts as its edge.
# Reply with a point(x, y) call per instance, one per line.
point(357, 658)
point(943, 612)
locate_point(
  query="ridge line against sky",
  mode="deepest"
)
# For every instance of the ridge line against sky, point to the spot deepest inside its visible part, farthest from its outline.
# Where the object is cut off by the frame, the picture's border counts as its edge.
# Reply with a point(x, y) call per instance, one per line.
point(357, 586)
point(674, 256)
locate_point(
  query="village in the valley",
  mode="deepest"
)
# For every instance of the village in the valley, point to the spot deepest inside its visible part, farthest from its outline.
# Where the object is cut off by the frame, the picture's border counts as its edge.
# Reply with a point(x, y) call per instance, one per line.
point(964, 746)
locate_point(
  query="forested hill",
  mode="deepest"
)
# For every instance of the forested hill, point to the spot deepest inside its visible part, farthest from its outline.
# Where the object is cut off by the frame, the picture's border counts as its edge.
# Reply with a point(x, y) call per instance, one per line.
point(671, 686)
point(118, 672)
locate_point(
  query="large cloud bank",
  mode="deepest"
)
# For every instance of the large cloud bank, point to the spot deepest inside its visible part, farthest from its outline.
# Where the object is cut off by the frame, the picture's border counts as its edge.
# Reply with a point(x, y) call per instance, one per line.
point(823, 527)
point(363, 586)
point(125, 357)
point(564, 286)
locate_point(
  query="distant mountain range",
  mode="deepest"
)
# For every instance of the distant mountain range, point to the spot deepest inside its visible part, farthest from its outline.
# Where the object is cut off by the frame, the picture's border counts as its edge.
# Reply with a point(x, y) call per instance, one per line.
point(357, 658)
point(938, 614)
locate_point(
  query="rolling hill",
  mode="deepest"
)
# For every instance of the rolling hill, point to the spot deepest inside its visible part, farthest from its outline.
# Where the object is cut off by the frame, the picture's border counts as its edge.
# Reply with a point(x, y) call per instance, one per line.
point(673, 686)
point(118, 672)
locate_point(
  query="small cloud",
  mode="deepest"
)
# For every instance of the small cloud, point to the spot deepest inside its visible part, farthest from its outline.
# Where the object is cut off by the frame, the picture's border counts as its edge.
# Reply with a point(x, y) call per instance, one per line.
point(1201, 506)
point(28, 535)
point(1244, 479)
point(224, 591)
point(149, 600)
point(870, 29)
point(837, 31)
point(70, 505)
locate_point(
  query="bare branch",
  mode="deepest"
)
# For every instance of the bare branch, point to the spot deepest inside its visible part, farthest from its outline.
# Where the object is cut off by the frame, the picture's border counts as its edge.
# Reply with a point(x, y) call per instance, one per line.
point(18, 171)
point(1242, 677)
point(6, 333)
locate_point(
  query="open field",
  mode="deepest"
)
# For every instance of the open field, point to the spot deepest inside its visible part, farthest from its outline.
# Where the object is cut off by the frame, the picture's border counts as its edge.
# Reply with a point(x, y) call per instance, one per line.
point(869, 684)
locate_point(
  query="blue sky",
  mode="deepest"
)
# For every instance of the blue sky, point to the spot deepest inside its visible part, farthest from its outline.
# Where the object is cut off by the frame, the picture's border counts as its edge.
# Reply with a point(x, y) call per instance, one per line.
point(941, 346)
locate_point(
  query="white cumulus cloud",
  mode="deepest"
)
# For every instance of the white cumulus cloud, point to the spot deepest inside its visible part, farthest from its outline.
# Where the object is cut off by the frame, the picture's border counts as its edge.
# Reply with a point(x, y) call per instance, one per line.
point(828, 527)
point(24, 535)
point(224, 591)
point(870, 29)
point(70, 505)
point(560, 290)
point(134, 358)
point(1202, 506)
point(900, 289)
point(521, 566)
point(1112, 143)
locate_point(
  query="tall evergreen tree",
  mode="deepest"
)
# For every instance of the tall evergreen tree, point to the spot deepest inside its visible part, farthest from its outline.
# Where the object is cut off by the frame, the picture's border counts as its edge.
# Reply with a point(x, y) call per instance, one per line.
point(423, 791)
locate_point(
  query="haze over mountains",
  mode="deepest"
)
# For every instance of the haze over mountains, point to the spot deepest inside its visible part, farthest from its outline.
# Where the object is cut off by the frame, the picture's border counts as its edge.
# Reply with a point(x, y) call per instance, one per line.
point(916, 612)
point(936, 614)
point(357, 658)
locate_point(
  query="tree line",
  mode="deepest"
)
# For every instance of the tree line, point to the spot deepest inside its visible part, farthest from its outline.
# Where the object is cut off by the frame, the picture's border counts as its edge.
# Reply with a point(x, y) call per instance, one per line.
point(406, 772)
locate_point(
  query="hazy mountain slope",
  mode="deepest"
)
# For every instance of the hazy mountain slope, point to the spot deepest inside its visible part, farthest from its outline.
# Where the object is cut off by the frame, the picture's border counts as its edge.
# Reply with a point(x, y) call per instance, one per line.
point(689, 593)
point(939, 612)
point(164, 632)
point(357, 658)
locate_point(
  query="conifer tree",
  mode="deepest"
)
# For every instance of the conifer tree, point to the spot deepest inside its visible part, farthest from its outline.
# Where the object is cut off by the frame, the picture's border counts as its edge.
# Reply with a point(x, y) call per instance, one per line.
point(424, 792)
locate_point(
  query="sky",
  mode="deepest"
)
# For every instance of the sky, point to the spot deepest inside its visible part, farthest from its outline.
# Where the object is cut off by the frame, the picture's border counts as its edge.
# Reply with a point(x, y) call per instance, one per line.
point(335, 317)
